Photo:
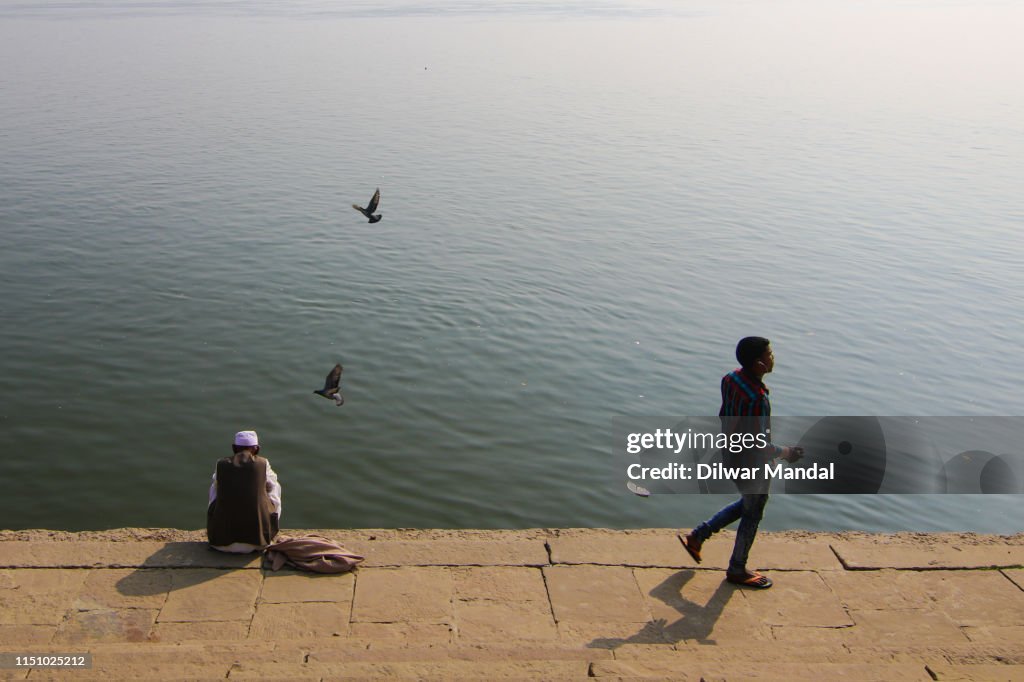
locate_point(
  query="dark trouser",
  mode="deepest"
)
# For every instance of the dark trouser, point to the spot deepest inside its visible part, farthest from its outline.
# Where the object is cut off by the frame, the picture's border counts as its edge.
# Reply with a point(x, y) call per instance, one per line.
point(748, 509)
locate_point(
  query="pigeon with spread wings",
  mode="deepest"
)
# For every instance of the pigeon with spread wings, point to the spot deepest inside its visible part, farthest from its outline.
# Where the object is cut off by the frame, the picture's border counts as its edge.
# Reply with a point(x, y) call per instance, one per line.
point(370, 207)
point(330, 389)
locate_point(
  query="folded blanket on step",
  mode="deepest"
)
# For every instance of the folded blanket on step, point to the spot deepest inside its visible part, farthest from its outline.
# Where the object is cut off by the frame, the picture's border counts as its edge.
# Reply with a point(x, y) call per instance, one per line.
point(311, 553)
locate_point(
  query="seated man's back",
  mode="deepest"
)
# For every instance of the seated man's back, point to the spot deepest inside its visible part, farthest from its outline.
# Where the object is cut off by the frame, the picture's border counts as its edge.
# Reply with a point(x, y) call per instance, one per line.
point(245, 499)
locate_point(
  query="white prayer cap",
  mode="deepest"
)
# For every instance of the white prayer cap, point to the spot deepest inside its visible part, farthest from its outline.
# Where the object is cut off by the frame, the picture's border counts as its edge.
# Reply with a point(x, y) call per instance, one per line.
point(246, 438)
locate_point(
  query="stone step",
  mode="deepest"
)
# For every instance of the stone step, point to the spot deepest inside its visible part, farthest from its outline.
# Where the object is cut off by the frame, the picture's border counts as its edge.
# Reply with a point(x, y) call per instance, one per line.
point(318, 659)
point(945, 672)
point(743, 668)
point(340, 649)
point(332, 650)
point(333, 658)
point(418, 670)
point(771, 653)
point(130, 670)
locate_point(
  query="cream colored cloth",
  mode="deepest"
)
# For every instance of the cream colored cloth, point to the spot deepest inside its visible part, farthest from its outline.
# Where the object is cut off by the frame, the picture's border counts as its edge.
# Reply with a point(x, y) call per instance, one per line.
point(311, 553)
point(237, 548)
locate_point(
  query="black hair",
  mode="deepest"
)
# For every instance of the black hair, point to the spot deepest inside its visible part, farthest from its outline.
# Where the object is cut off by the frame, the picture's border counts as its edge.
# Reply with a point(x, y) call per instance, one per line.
point(249, 451)
point(750, 349)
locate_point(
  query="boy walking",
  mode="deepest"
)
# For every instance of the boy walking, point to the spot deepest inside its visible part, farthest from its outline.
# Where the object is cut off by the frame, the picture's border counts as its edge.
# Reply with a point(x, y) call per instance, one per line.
point(745, 395)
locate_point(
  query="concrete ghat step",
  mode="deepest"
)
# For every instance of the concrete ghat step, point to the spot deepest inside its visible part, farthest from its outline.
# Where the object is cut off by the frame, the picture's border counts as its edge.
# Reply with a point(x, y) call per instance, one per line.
point(168, 674)
point(688, 654)
point(326, 659)
point(1007, 655)
point(342, 650)
point(328, 654)
point(743, 669)
point(328, 651)
point(113, 656)
point(131, 671)
point(321, 659)
point(405, 670)
point(420, 670)
point(945, 672)
point(110, 656)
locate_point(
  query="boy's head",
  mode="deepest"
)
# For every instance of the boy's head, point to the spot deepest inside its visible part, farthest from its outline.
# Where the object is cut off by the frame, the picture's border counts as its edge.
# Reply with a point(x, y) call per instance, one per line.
point(755, 354)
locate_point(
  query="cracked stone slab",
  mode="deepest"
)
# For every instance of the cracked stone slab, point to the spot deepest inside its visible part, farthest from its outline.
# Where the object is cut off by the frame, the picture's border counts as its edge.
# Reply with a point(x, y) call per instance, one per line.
point(896, 631)
point(101, 554)
point(618, 549)
point(106, 625)
point(948, 672)
point(412, 594)
point(965, 597)
point(789, 551)
point(418, 670)
point(513, 651)
point(613, 636)
point(996, 635)
point(801, 638)
point(499, 603)
point(1016, 576)
point(38, 596)
point(605, 594)
point(404, 634)
point(302, 586)
point(113, 588)
point(739, 669)
point(191, 653)
point(455, 553)
point(128, 669)
point(407, 654)
point(800, 650)
point(963, 618)
point(201, 631)
point(882, 589)
point(798, 598)
point(206, 594)
point(500, 583)
point(301, 620)
point(525, 651)
point(490, 621)
point(130, 661)
point(696, 605)
point(874, 628)
point(14, 581)
point(26, 634)
point(926, 551)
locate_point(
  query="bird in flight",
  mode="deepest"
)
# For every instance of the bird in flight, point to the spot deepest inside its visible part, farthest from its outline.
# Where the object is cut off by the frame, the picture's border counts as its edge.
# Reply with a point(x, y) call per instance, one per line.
point(330, 389)
point(370, 207)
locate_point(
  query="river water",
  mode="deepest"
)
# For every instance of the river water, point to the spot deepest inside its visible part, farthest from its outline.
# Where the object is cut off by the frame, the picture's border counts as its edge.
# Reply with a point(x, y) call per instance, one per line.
point(585, 205)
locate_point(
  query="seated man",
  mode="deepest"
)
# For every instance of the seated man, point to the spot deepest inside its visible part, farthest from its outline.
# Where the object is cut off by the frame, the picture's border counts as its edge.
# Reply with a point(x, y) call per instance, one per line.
point(245, 499)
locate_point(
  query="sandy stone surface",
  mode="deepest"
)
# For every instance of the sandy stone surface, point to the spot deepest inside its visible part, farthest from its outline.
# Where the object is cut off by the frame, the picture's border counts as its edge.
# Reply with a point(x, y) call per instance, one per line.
point(556, 604)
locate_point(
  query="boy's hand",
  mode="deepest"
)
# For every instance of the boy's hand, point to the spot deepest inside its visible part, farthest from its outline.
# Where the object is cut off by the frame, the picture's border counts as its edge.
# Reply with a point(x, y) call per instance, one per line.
point(792, 453)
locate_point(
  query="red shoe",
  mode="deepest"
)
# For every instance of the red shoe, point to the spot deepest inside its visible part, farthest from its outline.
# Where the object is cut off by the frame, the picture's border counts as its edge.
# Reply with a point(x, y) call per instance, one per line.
point(692, 546)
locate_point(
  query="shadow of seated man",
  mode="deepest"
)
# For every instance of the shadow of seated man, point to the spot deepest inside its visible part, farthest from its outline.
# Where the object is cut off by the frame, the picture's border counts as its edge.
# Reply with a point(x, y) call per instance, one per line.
point(245, 499)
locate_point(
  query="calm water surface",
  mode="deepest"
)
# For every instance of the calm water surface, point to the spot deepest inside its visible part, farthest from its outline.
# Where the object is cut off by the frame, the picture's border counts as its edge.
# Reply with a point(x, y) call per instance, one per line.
point(585, 205)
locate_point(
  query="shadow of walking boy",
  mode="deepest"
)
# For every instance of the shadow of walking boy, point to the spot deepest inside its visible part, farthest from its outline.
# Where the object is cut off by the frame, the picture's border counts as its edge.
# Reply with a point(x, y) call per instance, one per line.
point(681, 594)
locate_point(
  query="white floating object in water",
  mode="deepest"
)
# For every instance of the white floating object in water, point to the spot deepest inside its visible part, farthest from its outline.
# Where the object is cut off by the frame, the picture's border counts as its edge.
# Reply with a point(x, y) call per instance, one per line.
point(637, 490)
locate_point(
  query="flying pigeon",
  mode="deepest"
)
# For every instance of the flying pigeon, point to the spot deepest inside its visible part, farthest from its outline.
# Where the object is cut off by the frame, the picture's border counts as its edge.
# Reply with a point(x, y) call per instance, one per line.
point(370, 207)
point(330, 389)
